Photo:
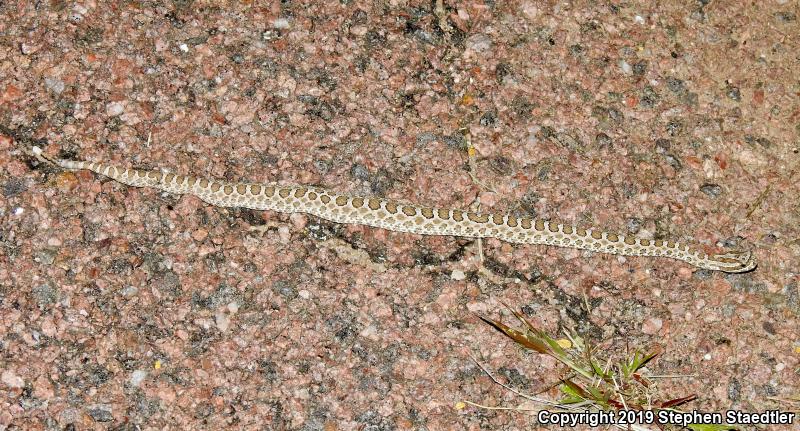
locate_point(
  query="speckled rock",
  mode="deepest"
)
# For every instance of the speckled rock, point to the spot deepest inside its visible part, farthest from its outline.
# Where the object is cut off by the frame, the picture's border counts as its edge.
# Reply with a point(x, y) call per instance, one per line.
point(129, 308)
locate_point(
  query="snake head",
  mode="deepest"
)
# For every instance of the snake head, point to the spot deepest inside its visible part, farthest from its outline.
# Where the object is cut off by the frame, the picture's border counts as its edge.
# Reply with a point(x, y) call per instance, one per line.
point(737, 261)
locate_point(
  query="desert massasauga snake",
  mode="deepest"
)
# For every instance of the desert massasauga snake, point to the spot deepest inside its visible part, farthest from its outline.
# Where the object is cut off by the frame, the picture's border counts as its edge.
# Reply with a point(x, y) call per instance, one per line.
point(403, 217)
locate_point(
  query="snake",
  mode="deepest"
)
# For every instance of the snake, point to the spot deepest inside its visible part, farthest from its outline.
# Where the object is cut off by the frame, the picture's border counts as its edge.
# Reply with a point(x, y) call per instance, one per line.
point(398, 216)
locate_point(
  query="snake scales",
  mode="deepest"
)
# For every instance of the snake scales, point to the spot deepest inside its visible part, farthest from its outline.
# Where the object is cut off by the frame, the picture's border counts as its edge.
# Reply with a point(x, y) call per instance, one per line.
point(401, 217)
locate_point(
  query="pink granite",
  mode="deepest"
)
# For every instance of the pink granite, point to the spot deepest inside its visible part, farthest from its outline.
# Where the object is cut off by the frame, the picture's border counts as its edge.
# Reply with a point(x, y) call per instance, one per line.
point(125, 308)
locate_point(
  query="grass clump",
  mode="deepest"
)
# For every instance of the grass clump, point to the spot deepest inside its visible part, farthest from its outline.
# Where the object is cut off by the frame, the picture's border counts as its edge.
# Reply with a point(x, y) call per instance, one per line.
point(591, 383)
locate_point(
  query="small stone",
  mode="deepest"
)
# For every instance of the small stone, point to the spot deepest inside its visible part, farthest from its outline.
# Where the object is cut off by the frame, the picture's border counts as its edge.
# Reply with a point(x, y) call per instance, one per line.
point(625, 67)
point(745, 283)
point(734, 389)
point(488, 119)
point(734, 94)
point(752, 140)
point(674, 127)
point(222, 321)
point(640, 68)
point(530, 10)
point(129, 291)
point(54, 85)
point(115, 108)
point(633, 225)
point(751, 160)
point(602, 140)
point(652, 325)
point(769, 239)
point(663, 146)
point(479, 43)
point(649, 98)
point(702, 274)
point(11, 92)
point(455, 141)
point(12, 380)
point(284, 234)
point(137, 377)
point(284, 289)
point(270, 34)
point(676, 85)
point(48, 327)
point(79, 10)
point(46, 256)
point(281, 23)
point(27, 48)
point(501, 165)
point(360, 172)
point(615, 115)
point(199, 234)
point(458, 275)
point(45, 295)
point(183, 47)
point(713, 190)
point(673, 161)
point(101, 413)
point(299, 221)
point(13, 187)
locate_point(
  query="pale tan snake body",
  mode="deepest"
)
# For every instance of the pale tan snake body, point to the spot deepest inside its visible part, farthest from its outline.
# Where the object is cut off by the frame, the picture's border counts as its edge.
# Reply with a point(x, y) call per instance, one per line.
point(402, 217)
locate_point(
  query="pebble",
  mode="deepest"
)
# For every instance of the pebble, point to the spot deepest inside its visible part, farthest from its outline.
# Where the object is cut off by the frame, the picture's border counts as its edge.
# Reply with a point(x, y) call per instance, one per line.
point(479, 43)
point(46, 256)
point(530, 10)
point(713, 190)
point(281, 23)
point(137, 377)
point(101, 413)
point(199, 234)
point(129, 291)
point(12, 380)
point(359, 171)
point(13, 187)
point(652, 325)
point(115, 108)
point(751, 160)
point(734, 94)
point(625, 67)
point(299, 221)
point(284, 234)
point(633, 225)
point(222, 321)
point(602, 140)
point(458, 275)
point(54, 85)
point(48, 327)
point(28, 48)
